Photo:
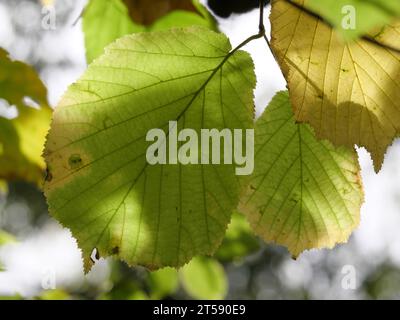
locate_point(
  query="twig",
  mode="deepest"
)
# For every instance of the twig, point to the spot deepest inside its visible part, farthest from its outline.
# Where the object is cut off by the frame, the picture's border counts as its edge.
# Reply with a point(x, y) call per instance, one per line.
point(261, 27)
point(260, 34)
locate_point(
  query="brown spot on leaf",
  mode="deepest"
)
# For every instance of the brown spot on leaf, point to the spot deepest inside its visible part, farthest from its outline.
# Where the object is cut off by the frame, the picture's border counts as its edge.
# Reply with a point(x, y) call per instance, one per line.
point(115, 250)
point(48, 175)
point(75, 161)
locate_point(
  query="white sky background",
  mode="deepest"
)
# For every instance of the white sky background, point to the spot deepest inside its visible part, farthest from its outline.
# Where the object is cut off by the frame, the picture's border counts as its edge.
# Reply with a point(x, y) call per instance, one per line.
point(376, 239)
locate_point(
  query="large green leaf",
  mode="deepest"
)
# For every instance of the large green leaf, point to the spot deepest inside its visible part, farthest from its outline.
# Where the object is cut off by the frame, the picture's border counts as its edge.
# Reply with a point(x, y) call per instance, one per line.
point(107, 20)
point(304, 193)
point(101, 186)
point(348, 92)
point(368, 14)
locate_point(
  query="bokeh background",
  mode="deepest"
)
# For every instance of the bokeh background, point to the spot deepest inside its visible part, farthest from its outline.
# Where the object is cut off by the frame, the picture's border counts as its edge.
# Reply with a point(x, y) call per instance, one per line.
point(40, 259)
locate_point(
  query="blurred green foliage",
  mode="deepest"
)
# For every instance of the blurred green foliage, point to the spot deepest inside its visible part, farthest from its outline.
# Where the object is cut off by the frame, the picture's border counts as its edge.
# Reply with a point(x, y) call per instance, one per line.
point(19, 81)
point(204, 278)
point(239, 240)
point(104, 21)
point(163, 283)
point(22, 138)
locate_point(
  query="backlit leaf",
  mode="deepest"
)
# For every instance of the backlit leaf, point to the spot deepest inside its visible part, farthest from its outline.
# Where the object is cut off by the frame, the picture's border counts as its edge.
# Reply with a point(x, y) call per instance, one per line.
point(349, 92)
point(304, 193)
point(102, 187)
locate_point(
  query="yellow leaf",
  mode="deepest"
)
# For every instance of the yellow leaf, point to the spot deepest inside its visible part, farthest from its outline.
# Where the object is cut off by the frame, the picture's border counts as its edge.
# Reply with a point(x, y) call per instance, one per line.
point(22, 139)
point(349, 92)
point(19, 81)
point(21, 144)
